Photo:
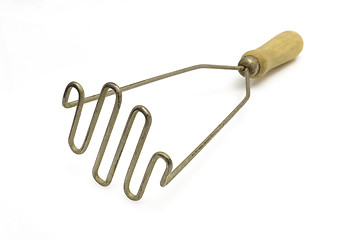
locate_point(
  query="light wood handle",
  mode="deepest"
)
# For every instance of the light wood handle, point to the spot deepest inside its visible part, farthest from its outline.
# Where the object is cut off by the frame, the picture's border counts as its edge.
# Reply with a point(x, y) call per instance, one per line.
point(279, 50)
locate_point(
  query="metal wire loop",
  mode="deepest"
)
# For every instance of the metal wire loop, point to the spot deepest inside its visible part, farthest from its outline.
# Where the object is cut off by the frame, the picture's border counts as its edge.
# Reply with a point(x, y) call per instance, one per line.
point(112, 88)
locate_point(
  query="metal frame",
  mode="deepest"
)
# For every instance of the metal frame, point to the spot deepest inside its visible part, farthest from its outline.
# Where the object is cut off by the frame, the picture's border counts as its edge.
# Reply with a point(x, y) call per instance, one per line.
point(111, 89)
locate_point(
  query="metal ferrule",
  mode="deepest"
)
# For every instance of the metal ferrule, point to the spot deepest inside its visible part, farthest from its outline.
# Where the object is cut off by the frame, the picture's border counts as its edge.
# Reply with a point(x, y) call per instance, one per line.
point(251, 63)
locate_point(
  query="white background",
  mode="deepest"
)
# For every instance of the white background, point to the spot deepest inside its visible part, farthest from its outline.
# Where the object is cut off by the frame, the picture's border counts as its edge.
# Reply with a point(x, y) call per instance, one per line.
point(274, 172)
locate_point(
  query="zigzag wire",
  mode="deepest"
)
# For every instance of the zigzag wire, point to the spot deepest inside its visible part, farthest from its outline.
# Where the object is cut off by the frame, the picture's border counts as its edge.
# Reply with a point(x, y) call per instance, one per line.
point(168, 174)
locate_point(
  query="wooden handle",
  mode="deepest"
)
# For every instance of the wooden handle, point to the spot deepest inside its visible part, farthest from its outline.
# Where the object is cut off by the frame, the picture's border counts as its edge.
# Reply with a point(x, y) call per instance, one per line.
point(279, 50)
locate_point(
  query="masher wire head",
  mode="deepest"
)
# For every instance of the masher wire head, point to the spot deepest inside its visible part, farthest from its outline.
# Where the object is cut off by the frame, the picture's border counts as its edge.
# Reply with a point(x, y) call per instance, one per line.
point(111, 89)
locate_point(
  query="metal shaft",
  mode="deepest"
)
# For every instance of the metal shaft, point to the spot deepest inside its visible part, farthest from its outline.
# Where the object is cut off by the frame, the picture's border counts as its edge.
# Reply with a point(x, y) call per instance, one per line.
point(157, 78)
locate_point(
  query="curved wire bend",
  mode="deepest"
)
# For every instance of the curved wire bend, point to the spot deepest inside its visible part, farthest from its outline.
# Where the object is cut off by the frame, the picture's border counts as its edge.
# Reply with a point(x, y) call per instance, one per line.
point(110, 89)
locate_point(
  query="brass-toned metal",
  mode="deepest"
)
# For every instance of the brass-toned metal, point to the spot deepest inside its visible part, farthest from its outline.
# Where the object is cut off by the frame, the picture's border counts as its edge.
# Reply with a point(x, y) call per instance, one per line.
point(251, 63)
point(111, 89)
